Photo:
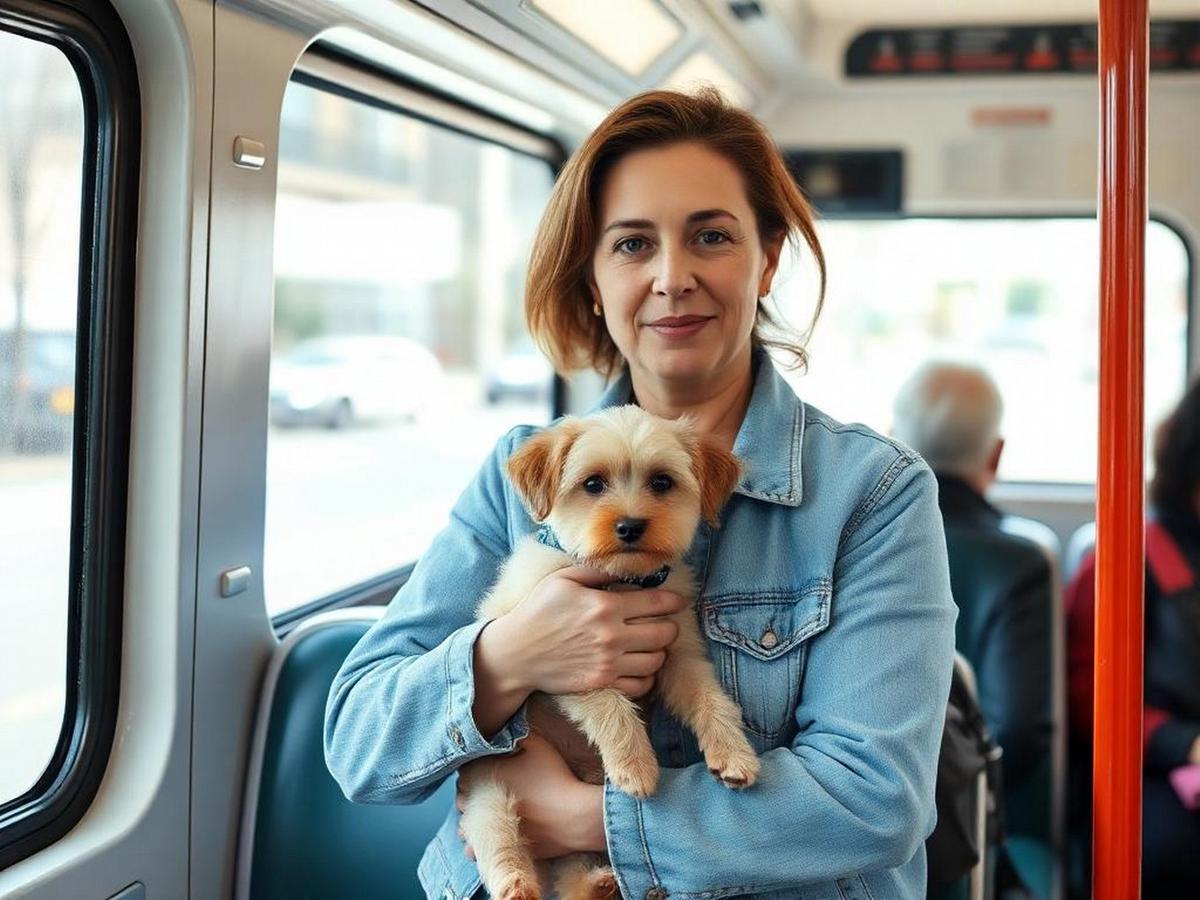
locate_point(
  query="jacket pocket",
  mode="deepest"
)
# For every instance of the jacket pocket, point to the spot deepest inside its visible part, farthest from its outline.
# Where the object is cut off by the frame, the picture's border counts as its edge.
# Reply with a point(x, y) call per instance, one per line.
point(762, 642)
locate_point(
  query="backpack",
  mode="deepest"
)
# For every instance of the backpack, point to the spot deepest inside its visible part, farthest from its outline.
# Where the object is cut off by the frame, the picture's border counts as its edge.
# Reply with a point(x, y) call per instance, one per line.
point(968, 750)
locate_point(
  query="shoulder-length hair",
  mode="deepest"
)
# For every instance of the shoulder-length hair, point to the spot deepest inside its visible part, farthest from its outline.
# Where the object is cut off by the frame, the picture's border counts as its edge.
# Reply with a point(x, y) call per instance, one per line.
point(558, 304)
point(1177, 456)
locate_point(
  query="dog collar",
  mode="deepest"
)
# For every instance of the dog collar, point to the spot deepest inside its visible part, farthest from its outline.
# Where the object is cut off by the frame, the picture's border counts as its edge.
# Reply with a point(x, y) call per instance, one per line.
point(546, 536)
point(653, 580)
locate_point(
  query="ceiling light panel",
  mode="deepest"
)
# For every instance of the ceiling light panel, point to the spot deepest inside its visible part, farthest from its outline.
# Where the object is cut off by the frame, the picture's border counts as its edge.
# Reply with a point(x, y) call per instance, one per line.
point(631, 34)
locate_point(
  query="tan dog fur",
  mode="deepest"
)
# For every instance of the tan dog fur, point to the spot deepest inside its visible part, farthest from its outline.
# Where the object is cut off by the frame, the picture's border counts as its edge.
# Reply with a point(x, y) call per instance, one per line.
point(601, 731)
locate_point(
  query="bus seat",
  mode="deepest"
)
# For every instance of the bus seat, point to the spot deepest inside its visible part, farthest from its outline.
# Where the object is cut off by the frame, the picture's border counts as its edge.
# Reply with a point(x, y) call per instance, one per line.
point(1034, 810)
point(300, 837)
point(1080, 545)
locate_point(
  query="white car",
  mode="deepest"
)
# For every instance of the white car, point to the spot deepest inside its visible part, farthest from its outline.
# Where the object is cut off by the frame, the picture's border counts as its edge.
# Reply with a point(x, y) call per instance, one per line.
point(336, 381)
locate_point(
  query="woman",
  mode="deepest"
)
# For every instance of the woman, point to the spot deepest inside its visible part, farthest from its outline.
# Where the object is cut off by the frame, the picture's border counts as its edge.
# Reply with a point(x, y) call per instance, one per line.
point(1171, 719)
point(824, 595)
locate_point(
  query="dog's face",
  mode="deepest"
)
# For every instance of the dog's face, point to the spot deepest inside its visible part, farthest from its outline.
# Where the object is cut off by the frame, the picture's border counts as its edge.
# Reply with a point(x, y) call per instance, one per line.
point(623, 490)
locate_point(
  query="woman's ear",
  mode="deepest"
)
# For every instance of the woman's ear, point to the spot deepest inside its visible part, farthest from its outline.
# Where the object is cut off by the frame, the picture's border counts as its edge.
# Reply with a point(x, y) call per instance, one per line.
point(536, 467)
point(772, 250)
point(718, 472)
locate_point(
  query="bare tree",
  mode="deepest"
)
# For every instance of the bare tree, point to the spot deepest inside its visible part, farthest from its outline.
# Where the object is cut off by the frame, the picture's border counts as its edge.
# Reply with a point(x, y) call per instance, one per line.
point(25, 119)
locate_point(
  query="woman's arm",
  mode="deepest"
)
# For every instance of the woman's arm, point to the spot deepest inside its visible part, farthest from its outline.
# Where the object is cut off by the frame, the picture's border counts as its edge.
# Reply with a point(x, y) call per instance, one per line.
point(855, 790)
point(400, 712)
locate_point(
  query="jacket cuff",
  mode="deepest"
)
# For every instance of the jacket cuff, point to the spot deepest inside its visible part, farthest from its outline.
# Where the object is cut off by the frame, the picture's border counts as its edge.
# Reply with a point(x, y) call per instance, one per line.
point(461, 729)
point(628, 851)
point(1170, 743)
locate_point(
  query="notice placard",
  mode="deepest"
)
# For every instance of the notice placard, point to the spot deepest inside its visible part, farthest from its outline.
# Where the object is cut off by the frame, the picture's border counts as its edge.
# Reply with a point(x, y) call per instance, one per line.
point(1009, 50)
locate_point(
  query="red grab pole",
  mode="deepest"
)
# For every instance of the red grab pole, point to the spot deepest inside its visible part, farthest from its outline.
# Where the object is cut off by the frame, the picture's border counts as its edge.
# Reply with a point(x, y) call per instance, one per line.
point(1120, 545)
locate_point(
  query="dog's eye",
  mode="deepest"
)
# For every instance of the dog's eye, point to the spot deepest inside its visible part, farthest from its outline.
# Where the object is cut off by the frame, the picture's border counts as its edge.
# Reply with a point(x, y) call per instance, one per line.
point(660, 484)
point(594, 485)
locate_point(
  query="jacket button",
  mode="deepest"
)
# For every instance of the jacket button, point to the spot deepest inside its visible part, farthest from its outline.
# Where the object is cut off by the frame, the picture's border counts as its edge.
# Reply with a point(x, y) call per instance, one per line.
point(768, 640)
point(656, 893)
point(456, 736)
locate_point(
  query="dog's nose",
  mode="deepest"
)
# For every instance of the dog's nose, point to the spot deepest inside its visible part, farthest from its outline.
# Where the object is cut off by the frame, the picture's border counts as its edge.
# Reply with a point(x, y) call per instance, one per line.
point(629, 530)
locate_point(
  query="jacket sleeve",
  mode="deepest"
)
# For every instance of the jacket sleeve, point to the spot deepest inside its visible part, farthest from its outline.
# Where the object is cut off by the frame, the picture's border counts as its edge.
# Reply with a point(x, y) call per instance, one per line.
point(854, 792)
point(1014, 670)
point(398, 719)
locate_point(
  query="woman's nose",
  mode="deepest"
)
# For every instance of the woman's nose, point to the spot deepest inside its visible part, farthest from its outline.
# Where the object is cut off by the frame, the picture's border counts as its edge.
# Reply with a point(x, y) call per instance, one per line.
point(674, 277)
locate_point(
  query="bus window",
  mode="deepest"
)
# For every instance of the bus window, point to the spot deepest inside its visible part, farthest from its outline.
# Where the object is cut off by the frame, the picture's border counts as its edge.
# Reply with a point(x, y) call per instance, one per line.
point(1016, 296)
point(400, 351)
point(41, 156)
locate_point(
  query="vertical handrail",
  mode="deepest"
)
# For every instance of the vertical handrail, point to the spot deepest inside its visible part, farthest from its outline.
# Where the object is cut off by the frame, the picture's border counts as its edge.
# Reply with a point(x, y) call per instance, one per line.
point(1120, 545)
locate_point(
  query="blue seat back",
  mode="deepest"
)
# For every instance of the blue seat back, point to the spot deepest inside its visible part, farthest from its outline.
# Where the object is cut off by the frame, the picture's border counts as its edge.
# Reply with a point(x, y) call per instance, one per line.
point(302, 837)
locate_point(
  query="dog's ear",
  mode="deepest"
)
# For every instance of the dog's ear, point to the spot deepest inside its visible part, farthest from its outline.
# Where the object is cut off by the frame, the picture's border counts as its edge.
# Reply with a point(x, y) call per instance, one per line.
point(718, 472)
point(536, 468)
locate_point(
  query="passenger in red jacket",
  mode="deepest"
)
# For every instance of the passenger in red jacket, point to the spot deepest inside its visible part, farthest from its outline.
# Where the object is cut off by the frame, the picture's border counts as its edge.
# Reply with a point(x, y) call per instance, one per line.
point(1170, 831)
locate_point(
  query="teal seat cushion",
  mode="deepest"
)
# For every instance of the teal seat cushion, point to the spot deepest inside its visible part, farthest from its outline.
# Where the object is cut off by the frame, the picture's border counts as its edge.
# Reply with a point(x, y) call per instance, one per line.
point(1034, 861)
point(309, 840)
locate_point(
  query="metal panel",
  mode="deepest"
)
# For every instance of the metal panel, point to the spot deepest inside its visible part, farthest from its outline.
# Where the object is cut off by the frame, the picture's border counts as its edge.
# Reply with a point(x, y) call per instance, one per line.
point(233, 635)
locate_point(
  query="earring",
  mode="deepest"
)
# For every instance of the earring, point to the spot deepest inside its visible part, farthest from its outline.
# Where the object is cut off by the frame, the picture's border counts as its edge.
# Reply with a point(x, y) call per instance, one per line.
point(596, 310)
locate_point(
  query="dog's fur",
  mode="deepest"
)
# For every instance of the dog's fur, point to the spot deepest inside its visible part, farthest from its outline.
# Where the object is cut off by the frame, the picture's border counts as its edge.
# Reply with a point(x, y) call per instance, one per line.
point(601, 732)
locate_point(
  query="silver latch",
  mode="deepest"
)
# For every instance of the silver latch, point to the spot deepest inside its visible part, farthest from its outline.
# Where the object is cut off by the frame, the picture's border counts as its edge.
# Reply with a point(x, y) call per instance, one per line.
point(249, 154)
point(235, 581)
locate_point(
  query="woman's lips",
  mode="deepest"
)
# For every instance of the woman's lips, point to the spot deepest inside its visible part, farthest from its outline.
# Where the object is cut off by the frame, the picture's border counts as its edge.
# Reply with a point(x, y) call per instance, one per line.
point(674, 327)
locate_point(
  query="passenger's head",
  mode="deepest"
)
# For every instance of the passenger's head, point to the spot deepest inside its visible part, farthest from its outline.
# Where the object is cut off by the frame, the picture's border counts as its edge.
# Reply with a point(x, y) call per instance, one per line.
point(1176, 483)
point(950, 414)
point(661, 239)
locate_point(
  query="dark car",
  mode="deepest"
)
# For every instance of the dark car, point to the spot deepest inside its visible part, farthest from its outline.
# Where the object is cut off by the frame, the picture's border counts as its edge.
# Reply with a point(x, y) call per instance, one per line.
point(37, 403)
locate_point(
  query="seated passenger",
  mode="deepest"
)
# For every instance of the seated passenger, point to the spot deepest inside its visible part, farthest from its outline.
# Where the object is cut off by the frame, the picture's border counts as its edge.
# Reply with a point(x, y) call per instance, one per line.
point(950, 414)
point(1170, 830)
point(1003, 586)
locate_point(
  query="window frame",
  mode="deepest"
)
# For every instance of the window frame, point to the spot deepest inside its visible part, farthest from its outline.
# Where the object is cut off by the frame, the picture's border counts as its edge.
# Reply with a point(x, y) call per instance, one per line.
point(1060, 489)
point(95, 43)
point(325, 68)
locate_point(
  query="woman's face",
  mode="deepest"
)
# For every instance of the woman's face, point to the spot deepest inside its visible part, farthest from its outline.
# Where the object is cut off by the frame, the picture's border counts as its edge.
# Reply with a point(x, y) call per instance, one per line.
point(680, 265)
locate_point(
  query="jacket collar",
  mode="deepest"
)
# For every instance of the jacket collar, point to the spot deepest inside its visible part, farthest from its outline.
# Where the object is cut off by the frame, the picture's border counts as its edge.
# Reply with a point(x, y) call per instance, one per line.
point(959, 501)
point(768, 442)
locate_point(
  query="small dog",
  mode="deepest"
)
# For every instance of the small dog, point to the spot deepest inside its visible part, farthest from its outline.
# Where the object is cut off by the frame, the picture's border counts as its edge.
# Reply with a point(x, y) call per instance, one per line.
point(622, 491)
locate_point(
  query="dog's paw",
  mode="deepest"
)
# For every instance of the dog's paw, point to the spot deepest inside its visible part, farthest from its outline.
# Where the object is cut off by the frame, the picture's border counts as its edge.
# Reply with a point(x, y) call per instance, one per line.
point(635, 775)
point(519, 886)
point(602, 884)
point(735, 769)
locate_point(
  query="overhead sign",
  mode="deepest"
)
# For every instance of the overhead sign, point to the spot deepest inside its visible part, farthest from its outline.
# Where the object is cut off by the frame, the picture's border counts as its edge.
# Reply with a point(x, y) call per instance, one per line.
point(1009, 50)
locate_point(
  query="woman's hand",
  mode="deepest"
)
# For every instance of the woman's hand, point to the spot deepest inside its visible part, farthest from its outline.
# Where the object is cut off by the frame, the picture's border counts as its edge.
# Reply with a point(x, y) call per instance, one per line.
point(559, 813)
point(570, 635)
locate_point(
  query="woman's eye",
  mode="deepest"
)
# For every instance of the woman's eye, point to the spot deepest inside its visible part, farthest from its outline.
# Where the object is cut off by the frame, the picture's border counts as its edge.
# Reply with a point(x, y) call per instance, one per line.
point(594, 485)
point(660, 484)
point(711, 236)
point(631, 245)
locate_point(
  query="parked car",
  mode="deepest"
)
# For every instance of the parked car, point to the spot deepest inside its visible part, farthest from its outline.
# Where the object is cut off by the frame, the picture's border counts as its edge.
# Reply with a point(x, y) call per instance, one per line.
point(522, 374)
point(336, 381)
point(44, 390)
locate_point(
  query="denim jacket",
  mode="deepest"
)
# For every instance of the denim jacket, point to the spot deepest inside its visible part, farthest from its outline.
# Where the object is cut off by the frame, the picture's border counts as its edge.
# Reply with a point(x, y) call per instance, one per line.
point(825, 599)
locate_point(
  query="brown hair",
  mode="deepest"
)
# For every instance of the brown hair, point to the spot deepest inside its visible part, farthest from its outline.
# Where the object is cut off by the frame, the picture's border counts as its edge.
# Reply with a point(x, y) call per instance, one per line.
point(1177, 456)
point(558, 305)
